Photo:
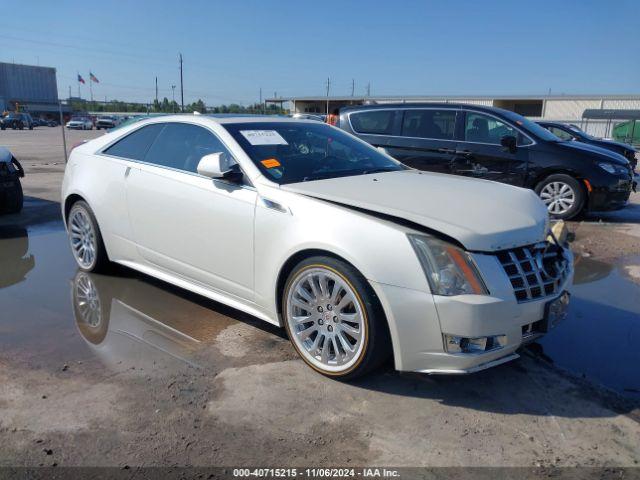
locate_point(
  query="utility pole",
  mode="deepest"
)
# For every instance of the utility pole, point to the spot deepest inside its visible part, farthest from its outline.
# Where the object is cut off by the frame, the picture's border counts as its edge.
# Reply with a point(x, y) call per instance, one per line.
point(181, 87)
point(261, 100)
point(173, 98)
point(369, 89)
point(353, 86)
point(156, 91)
point(69, 91)
point(328, 87)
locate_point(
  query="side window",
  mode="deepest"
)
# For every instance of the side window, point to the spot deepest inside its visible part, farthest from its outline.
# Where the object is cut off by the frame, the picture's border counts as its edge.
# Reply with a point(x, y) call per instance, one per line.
point(561, 134)
point(375, 121)
point(485, 129)
point(136, 144)
point(439, 124)
point(182, 146)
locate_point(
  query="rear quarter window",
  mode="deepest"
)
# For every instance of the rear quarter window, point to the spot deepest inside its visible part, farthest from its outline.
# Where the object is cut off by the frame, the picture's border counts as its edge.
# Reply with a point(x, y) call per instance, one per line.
point(378, 122)
point(135, 145)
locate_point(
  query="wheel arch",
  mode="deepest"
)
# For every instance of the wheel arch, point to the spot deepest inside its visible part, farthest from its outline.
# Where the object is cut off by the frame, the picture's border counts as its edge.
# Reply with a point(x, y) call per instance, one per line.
point(297, 257)
point(68, 203)
point(556, 171)
point(301, 255)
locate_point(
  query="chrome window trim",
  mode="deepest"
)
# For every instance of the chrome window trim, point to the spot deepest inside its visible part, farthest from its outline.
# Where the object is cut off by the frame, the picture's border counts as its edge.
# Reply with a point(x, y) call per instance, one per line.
point(102, 153)
point(533, 142)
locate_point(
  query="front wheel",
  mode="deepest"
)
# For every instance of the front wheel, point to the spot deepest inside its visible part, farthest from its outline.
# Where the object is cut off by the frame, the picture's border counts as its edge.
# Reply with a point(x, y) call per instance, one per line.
point(85, 239)
point(562, 194)
point(334, 319)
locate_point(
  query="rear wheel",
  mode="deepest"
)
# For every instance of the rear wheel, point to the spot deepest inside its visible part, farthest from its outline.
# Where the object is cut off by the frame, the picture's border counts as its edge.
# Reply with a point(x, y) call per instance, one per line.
point(85, 239)
point(562, 194)
point(334, 319)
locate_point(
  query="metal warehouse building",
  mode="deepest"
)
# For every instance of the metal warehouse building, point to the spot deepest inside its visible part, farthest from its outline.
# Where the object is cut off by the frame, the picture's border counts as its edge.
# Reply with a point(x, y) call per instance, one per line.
point(565, 108)
point(31, 88)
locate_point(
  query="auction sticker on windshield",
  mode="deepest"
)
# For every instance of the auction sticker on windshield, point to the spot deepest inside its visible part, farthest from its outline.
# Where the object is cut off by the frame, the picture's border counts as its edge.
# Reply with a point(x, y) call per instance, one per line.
point(263, 137)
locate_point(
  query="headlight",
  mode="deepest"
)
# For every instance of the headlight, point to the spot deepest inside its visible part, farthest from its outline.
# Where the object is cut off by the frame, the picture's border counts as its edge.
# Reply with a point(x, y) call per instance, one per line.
point(449, 269)
point(611, 168)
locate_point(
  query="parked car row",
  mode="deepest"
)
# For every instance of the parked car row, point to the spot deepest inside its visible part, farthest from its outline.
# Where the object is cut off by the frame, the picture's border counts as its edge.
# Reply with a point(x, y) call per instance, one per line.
point(494, 144)
point(22, 120)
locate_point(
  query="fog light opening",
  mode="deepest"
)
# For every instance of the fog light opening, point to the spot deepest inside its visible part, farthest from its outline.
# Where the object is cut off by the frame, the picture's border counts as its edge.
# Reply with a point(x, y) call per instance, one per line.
point(457, 344)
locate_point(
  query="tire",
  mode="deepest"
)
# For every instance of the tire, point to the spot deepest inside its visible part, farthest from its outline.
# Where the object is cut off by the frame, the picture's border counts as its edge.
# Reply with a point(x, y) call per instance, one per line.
point(90, 309)
point(14, 198)
point(30, 127)
point(356, 337)
point(564, 195)
point(85, 239)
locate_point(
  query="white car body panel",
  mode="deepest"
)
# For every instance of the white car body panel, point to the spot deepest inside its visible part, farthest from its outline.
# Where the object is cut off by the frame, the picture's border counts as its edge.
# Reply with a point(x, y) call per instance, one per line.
point(459, 207)
point(230, 242)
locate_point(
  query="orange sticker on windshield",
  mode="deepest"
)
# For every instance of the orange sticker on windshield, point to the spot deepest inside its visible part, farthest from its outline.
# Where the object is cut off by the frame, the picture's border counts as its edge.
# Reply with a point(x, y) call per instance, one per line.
point(270, 163)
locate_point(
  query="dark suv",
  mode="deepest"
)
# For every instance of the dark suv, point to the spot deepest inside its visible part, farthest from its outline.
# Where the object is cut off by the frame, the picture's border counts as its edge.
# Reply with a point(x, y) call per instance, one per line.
point(17, 120)
point(568, 132)
point(495, 144)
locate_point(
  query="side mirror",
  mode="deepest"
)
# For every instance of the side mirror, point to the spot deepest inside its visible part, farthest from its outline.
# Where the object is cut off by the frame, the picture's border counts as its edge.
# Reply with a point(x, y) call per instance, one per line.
point(217, 165)
point(509, 142)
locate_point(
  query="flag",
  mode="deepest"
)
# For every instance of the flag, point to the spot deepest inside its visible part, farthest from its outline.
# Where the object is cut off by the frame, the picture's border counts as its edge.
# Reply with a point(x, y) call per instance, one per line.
point(93, 78)
point(80, 79)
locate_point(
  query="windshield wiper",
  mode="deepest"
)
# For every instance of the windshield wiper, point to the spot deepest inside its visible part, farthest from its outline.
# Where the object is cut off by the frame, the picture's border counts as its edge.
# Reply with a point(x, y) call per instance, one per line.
point(379, 170)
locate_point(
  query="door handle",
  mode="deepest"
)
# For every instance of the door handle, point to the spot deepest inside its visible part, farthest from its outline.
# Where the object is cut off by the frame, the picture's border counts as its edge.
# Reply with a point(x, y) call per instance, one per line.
point(127, 172)
point(446, 150)
point(463, 152)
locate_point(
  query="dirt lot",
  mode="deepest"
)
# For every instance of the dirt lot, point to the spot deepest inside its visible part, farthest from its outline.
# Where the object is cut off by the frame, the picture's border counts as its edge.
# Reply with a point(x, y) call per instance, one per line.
point(164, 377)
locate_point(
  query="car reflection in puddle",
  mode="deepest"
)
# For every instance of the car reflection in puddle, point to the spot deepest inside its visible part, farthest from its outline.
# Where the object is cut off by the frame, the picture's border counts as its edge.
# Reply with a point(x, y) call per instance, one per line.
point(131, 324)
point(599, 339)
point(15, 259)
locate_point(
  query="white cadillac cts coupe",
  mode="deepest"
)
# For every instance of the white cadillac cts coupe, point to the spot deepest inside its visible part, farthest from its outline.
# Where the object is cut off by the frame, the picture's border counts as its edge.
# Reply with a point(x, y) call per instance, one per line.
point(307, 227)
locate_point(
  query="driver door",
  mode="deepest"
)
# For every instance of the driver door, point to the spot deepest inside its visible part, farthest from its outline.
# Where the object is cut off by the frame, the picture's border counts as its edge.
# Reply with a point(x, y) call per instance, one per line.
point(188, 224)
point(481, 155)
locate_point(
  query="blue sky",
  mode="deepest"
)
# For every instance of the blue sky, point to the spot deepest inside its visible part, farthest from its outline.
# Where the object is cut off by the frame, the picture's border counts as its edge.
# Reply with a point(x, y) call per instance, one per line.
point(232, 48)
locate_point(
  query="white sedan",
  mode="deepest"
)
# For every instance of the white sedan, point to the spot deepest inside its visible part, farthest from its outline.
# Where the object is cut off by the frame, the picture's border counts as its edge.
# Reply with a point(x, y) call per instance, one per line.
point(80, 123)
point(307, 227)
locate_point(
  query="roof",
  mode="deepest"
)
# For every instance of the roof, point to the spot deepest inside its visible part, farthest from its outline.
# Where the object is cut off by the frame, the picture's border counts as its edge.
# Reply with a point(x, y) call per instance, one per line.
point(608, 113)
point(223, 118)
point(450, 106)
point(431, 98)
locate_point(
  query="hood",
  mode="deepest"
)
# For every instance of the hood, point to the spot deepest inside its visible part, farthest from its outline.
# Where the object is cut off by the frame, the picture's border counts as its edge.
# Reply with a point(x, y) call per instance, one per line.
point(612, 143)
point(596, 151)
point(481, 215)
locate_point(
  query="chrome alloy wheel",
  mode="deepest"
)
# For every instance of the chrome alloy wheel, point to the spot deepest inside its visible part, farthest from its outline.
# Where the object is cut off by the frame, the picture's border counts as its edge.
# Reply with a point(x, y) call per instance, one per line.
point(326, 319)
point(558, 197)
point(83, 239)
point(87, 300)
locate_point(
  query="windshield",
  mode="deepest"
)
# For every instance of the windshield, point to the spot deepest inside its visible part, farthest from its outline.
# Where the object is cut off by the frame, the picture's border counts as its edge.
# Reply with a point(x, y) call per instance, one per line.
point(531, 127)
point(290, 152)
point(581, 133)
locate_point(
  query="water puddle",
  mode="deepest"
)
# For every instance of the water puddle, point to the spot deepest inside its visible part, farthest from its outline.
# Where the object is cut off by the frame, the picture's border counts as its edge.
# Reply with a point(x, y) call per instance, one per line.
point(52, 313)
point(599, 340)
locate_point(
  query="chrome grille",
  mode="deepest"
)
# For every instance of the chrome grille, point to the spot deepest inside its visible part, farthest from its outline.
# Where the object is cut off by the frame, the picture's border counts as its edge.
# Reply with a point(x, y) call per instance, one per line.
point(535, 271)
